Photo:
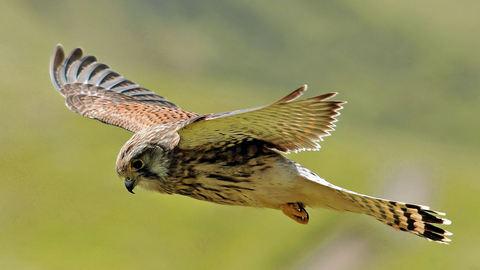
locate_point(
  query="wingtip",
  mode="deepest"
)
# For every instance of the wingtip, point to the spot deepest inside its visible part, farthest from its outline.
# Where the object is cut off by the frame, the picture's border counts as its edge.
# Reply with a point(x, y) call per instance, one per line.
point(58, 56)
point(293, 95)
point(329, 95)
point(75, 54)
point(59, 64)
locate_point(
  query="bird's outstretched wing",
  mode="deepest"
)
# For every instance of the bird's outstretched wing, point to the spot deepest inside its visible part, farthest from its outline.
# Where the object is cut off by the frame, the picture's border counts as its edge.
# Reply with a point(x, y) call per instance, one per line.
point(285, 125)
point(93, 90)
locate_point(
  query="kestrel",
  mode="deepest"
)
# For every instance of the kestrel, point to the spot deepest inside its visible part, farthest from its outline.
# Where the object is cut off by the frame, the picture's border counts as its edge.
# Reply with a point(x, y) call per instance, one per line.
point(231, 158)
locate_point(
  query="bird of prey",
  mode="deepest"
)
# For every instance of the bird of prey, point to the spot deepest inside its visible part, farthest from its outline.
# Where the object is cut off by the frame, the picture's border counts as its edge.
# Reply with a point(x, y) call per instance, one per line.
point(231, 158)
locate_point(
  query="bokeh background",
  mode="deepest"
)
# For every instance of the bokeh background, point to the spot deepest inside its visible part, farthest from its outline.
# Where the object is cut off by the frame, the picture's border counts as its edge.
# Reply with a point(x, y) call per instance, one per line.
point(410, 71)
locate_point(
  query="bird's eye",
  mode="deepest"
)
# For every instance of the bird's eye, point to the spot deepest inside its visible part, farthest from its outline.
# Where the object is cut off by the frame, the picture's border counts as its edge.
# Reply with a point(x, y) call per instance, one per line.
point(137, 165)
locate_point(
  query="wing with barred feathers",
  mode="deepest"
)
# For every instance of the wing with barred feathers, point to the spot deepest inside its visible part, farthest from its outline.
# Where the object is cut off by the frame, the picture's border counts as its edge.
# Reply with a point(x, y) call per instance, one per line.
point(285, 125)
point(93, 90)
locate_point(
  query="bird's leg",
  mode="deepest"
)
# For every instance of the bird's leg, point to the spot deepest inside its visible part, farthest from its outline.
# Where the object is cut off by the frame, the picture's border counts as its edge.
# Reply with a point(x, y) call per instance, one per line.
point(295, 211)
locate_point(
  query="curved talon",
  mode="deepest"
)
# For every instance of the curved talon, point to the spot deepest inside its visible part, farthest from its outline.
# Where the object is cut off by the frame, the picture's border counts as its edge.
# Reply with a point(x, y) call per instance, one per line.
point(295, 211)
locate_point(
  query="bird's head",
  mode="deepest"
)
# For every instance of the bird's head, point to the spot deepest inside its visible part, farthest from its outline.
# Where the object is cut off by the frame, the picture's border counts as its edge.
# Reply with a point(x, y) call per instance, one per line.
point(143, 161)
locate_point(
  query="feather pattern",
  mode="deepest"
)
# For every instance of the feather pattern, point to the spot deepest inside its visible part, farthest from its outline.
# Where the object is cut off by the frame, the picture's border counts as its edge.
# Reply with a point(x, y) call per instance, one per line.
point(93, 90)
point(286, 125)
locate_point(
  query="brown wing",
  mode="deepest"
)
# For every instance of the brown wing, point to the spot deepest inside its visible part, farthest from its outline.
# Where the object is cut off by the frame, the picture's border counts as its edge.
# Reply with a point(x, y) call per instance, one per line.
point(286, 125)
point(93, 90)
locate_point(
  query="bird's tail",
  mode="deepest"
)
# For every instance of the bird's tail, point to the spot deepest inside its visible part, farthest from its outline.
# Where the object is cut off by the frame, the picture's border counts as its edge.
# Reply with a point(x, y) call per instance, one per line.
point(416, 219)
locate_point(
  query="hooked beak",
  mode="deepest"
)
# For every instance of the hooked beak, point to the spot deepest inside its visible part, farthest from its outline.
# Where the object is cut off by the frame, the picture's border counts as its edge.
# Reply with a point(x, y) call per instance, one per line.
point(130, 185)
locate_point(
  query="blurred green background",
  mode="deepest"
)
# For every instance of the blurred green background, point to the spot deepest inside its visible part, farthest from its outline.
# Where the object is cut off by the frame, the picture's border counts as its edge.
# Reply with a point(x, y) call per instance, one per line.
point(410, 71)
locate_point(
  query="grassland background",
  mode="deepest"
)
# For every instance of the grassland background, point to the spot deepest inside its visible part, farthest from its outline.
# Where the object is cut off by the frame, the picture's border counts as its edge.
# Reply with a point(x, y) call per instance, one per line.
point(410, 71)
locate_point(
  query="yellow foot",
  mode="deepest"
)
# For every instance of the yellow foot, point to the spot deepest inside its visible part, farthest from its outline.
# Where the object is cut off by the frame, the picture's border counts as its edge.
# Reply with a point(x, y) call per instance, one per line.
point(295, 211)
